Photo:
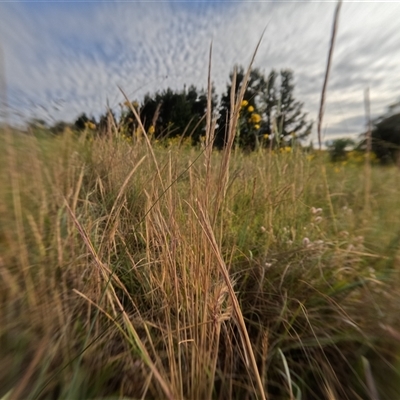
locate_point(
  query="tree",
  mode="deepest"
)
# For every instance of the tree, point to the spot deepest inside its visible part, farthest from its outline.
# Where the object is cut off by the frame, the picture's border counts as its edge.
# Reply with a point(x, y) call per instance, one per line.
point(37, 126)
point(249, 126)
point(59, 127)
point(338, 148)
point(106, 122)
point(269, 102)
point(290, 120)
point(386, 138)
point(171, 113)
point(83, 122)
point(269, 111)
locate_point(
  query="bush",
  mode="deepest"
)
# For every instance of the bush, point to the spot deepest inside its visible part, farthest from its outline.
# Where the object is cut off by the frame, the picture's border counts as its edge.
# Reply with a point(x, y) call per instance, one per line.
point(339, 148)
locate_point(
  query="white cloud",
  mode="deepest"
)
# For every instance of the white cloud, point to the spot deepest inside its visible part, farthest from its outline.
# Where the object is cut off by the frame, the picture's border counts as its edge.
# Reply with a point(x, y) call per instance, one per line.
point(81, 52)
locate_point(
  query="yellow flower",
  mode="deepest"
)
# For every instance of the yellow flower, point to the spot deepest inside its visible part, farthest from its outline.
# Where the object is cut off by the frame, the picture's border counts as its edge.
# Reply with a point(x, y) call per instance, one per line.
point(256, 127)
point(151, 130)
point(255, 118)
point(90, 125)
point(310, 157)
point(134, 104)
point(244, 103)
point(266, 136)
point(138, 132)
point(250, 109)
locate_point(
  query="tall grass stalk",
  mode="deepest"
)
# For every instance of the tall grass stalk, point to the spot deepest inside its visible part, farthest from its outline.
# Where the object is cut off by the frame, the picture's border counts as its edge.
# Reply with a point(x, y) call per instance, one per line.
point(328, 67)
point(368, 149)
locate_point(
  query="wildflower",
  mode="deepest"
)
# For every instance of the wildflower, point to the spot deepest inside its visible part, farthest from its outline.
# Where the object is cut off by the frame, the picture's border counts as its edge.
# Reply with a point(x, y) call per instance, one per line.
point(90, 125)
point(151, 130)
point(256, 127)
point(318, 220)
point(250, 109)
point(138, 132)
point(244, 103)
point(316, 211)
point(268, 265)
point(266, 136)
point(255, 118)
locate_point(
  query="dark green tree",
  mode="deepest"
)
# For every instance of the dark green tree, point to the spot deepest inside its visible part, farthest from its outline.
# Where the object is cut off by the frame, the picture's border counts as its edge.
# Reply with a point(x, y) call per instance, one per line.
point(290, 120)
point(269, 102)
point(81, 123)
point(338, 148)
point(270, 111)
point(106, 122)
point(249, 127)
point(386, 138)
point(172, 113)
point(59, 127)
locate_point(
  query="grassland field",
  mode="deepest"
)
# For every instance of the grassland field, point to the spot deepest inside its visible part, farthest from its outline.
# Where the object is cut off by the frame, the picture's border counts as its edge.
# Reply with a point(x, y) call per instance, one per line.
point(173, 272)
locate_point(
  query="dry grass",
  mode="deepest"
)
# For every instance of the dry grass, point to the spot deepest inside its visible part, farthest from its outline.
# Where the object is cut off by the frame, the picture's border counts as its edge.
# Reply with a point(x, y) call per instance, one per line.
point(186, 275)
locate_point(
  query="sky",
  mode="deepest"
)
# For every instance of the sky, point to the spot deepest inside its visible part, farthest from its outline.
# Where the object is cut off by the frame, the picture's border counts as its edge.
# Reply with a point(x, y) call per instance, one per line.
point(62, 58)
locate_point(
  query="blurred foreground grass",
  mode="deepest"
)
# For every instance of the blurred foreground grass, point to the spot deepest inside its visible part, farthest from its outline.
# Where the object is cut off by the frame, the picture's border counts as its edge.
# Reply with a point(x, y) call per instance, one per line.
point(114, 267)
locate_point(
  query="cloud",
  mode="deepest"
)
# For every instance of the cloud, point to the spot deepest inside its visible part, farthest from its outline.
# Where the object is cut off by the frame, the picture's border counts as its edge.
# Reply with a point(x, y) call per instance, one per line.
point(81, 53)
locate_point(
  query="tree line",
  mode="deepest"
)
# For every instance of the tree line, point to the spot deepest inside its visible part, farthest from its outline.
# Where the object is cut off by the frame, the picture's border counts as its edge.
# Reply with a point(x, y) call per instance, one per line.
point(385, 139)
point(270, 116)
